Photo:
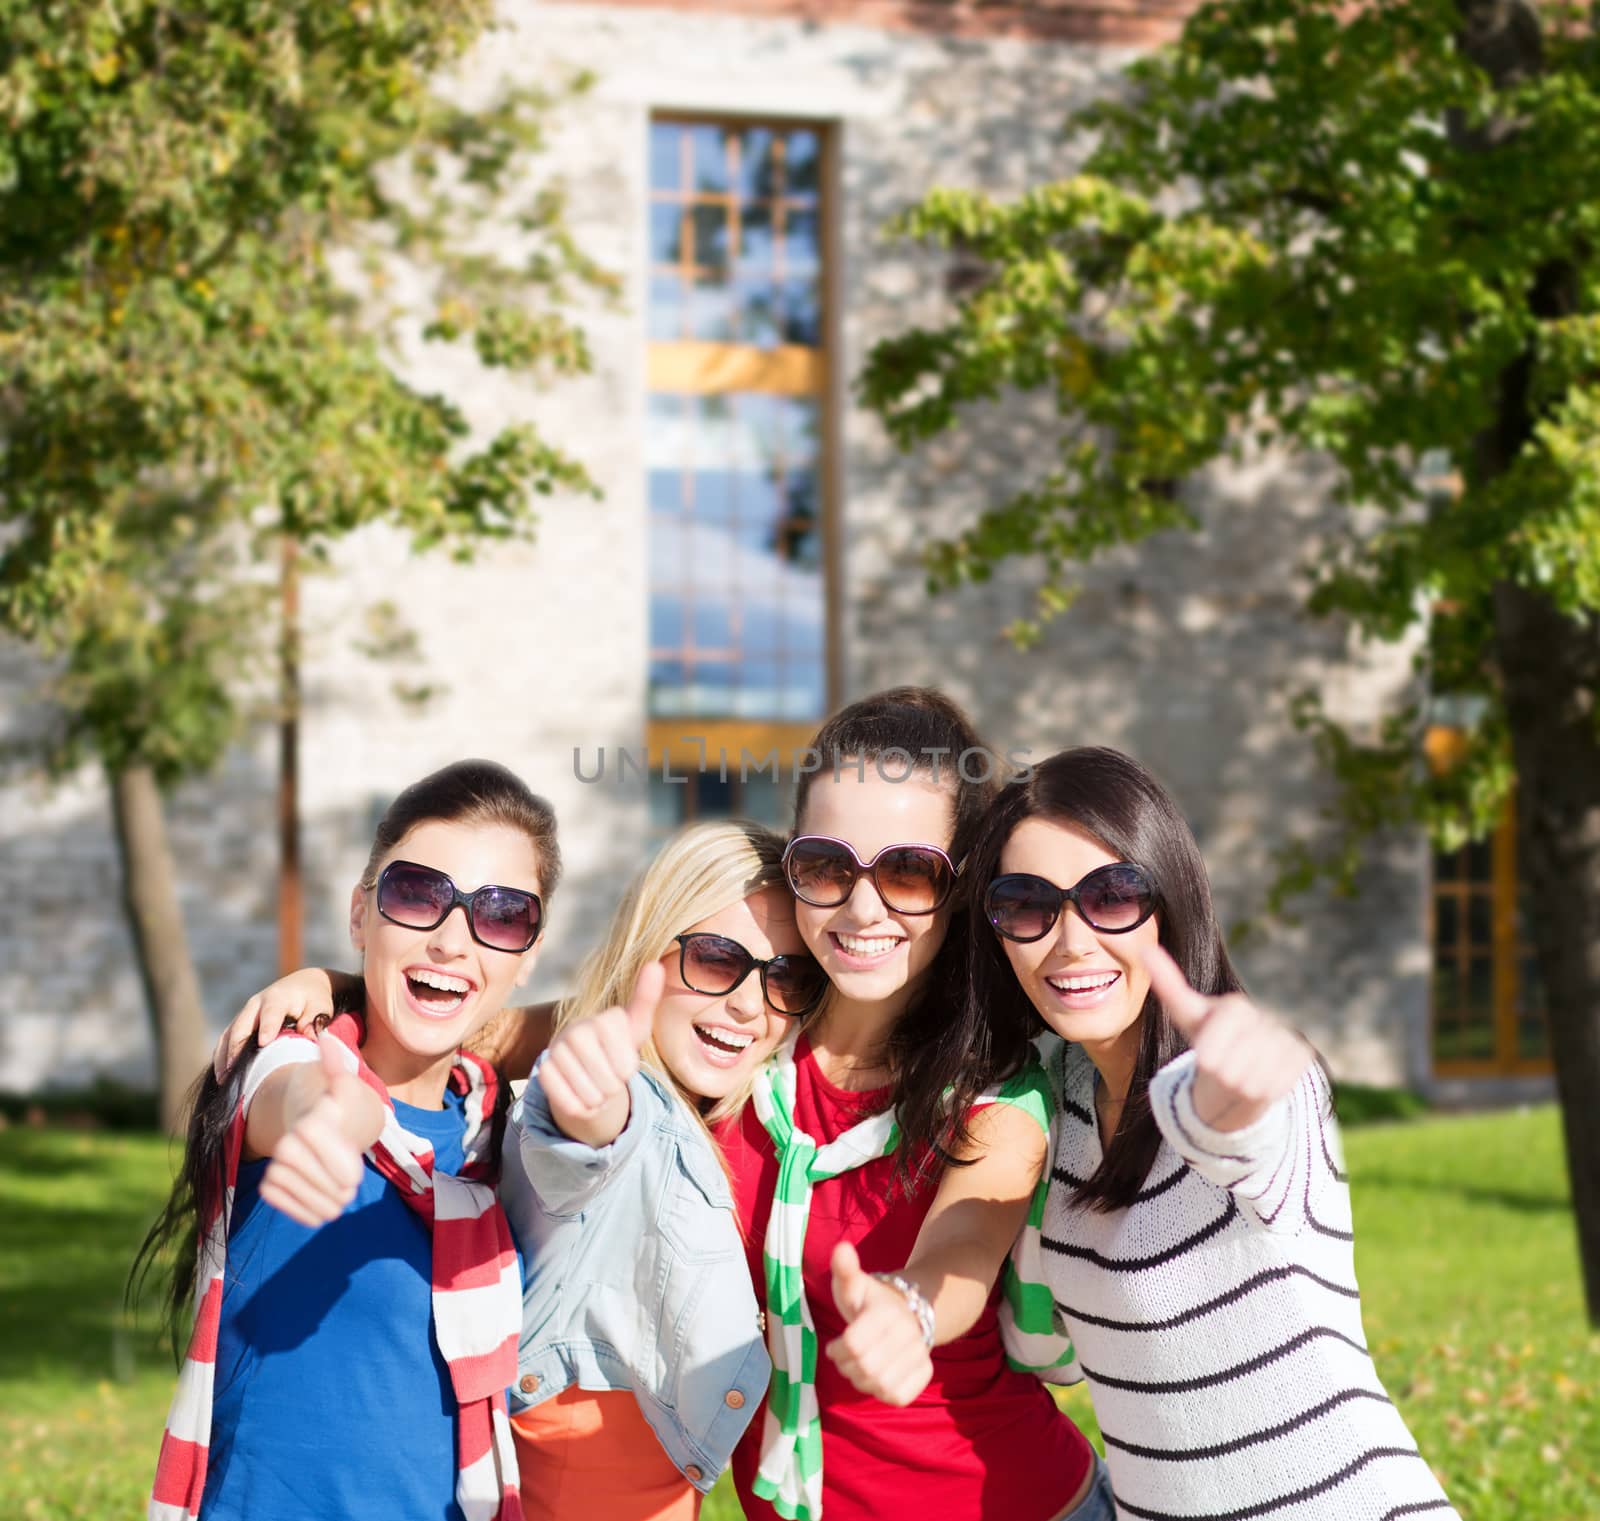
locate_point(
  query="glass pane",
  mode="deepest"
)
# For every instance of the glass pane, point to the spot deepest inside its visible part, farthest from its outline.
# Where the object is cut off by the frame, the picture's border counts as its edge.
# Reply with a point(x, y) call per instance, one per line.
point(709, 227)
point(666, 234)
point(711, 159)
point(764, 798)
point(713, 494)
point(1446, 920)
point(763, 630)
point(1446, 990)
point(755, 180)
point(713, 797)
point(1480, 929)
point(670, 545)
point(668, 308)
point(713, 626)
point(666, 156)
point(668, 803)
point(1478, 865)
point(666, 625)
point(801, 246)
point(1446, 865)
point(1480, 990)
point(1533, 1039)
point(803, 631)
point(758, 245)
point(712, 311)
point(805, 693)
point(803, 164)
point(1477, 1042)
point(801, 307)
point(798, 445)
point(761, 314)
point(666, 491)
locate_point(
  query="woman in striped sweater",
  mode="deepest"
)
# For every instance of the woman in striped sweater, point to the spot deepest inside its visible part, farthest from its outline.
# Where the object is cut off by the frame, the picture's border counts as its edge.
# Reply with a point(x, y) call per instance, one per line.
point(1197, 1233)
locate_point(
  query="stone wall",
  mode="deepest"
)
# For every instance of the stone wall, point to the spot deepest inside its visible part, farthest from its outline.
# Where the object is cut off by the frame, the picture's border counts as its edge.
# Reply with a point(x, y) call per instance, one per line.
point(1185, 651)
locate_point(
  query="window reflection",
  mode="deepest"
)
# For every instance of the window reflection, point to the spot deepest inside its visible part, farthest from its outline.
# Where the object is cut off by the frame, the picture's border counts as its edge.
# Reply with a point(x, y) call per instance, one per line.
point(736, 595)
point(735, 234)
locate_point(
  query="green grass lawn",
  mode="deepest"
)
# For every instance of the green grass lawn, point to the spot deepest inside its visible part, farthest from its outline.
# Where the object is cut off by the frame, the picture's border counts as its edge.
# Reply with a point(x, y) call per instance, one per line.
point(1464, 1247)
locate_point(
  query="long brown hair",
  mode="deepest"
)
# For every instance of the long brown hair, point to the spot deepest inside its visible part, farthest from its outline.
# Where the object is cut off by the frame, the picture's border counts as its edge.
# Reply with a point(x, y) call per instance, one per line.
point(1111, 796)
point(467, 792)
point(942, 1052)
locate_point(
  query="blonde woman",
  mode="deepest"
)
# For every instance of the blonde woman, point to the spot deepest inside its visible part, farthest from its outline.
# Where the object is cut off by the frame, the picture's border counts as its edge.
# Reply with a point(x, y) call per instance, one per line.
point(638, 1311)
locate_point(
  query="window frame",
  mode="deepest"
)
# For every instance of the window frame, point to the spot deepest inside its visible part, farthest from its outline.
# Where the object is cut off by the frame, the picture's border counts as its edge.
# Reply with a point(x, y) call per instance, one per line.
point(701, 367)
point(1442, 746)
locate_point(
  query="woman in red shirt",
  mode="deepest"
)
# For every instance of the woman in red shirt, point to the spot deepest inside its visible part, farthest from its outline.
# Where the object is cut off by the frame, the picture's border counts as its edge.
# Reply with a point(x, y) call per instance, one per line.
point(891, 1071)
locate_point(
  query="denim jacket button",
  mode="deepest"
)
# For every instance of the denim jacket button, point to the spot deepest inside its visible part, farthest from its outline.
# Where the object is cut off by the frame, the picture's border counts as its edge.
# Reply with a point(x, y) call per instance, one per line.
point(692, 1473)
point(529, 1383)
point(733, 1400)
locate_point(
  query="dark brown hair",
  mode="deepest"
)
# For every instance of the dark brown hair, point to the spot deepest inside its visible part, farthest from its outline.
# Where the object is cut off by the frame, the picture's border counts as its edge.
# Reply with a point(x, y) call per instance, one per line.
point(467, 792)
point(942, 1052)
point(471, 792)
point(1111, 796)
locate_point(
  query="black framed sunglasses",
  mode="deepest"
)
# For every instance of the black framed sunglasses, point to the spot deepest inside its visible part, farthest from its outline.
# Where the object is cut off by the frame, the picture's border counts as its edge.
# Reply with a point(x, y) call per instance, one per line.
point(1111, 899)
point(714, 964)
point(423, 897)
point(911, 879)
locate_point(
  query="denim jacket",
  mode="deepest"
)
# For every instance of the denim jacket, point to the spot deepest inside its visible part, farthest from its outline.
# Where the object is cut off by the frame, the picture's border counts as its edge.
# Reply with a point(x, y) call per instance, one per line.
point(635, 1275)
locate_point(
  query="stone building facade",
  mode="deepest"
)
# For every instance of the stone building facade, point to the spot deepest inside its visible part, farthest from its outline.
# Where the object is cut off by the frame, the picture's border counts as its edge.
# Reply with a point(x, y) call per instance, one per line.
point(1185, 651)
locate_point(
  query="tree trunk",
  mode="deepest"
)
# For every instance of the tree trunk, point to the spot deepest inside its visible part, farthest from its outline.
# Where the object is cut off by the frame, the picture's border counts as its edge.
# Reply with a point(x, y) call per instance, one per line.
point(150, 899)
point(1550, 670)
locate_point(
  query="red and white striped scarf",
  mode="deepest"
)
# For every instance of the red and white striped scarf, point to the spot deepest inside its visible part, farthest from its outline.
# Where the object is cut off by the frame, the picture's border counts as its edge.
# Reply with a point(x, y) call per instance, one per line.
point(477, 1290)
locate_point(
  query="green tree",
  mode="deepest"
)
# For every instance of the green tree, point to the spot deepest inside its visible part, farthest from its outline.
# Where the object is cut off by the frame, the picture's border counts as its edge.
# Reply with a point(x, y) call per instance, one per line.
point(1372, 232)
point(204, 212)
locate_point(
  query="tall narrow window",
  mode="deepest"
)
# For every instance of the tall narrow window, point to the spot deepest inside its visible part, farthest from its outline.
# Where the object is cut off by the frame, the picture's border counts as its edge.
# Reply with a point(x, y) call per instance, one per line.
point(1488, 1004)
point(736, 453)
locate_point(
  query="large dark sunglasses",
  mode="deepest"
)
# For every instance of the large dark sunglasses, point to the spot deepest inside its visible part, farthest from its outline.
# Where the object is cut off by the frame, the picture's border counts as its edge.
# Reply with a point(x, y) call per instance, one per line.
point(911, 879)
point(715, 965)
point(422, 897)
point(1111, 899)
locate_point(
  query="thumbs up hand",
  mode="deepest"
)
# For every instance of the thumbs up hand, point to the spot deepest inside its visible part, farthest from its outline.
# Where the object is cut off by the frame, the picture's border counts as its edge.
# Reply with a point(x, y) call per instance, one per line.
point(586, 1071)
point(332, 1118)
point(881, 1351)
point(1245, 1059)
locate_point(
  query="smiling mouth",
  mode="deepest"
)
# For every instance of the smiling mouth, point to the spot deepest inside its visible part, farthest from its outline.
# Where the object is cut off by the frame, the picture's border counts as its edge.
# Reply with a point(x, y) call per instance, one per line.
point(724, 1040)
point(1083, 984)
point(865, 947)
point(436, 992)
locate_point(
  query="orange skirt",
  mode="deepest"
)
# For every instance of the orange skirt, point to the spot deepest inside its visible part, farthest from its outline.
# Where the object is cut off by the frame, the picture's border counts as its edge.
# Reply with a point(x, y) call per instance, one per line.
point(589, 1456)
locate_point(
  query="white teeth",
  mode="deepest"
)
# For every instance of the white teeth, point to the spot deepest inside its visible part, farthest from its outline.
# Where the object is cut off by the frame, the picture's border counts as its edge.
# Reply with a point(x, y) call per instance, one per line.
point(725, 1038)
point(1091, 982)
point(439, 980)
point(858, 946)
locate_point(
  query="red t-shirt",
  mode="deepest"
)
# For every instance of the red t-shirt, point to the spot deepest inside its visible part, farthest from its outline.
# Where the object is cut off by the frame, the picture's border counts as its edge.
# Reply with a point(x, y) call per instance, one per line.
point(981, 1440)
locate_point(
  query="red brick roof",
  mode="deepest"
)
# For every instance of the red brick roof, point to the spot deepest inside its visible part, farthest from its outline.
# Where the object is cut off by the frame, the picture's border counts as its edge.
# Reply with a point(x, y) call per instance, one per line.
point(1118, 23)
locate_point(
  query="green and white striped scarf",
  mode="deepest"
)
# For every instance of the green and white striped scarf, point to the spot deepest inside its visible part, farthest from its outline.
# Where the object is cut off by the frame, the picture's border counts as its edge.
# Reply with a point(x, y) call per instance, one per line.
point(1032, 1329)
point(790, 1472)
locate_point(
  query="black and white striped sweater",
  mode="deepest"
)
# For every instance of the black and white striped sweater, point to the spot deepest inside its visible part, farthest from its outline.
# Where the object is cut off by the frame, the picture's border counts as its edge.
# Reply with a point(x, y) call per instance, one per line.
point(1217, 1318)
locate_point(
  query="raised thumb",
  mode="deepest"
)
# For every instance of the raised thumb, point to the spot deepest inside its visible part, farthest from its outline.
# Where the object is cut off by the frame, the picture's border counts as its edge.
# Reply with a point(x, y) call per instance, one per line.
point(642, 1001)
point(850, 1284)
point(1186, 1008)
point(331, 1050)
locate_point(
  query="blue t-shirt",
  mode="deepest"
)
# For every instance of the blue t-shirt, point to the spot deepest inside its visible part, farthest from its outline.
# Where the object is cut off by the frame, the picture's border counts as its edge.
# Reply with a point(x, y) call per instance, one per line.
point(331, 1397)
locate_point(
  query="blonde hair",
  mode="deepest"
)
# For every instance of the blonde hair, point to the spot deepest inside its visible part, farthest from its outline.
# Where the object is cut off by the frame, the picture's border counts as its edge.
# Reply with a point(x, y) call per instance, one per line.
point(701, 870)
